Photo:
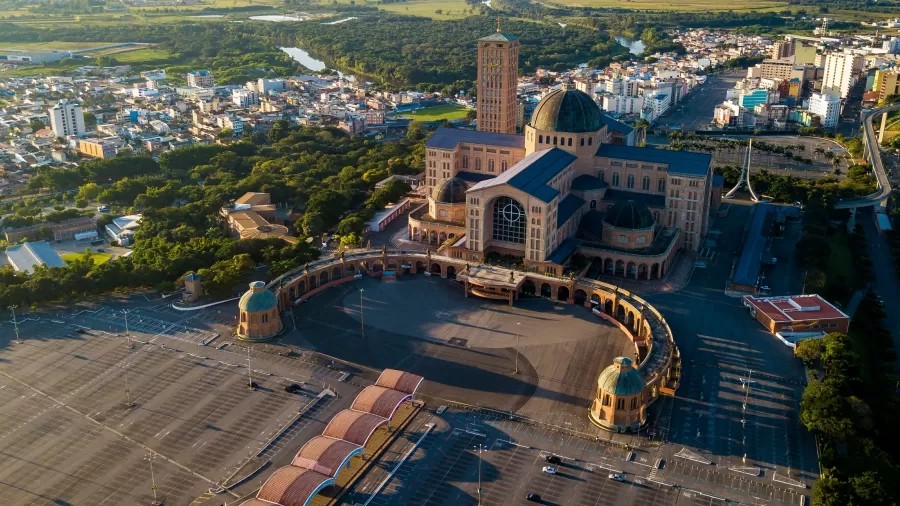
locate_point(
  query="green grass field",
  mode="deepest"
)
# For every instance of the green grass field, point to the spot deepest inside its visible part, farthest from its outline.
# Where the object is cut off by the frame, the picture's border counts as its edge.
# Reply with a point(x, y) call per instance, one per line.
point(439, 112)
point(58, 45)
point(99, 258)
point(687, 6)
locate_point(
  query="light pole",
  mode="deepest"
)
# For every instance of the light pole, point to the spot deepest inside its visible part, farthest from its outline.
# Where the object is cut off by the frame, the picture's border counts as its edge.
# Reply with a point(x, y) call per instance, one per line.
point(362, 318)
point(149, 459)
point(479, 449)
point(127, 335)
point(128, 402)
point(249, 371)
point(12, 309)
point(518, 326)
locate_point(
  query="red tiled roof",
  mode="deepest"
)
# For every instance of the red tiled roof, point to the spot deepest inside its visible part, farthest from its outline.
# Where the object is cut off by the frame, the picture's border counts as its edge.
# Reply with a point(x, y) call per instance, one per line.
point(399, 380)
point(293, 486)
point(353, 426)
point(379, 401)
point(259, 502)
point(326, 455)
point(795, 308)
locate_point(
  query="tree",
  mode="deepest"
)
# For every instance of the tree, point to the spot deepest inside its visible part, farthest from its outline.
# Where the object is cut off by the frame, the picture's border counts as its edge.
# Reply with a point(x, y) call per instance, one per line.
point(351, 240)
point(824, 411)
point(809, 350)
point(350, 225)
point(222, 277)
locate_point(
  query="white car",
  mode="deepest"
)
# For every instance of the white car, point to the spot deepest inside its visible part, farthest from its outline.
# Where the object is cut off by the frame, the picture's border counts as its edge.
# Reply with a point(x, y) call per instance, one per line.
point(549, 469)
point(616, 476)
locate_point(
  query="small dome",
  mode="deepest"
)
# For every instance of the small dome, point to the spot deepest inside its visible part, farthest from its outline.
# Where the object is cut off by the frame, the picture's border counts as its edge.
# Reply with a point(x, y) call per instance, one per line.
point(570, 111)
point(621, 379)
point(257, 298)
point(629, 214)
point(451, 191)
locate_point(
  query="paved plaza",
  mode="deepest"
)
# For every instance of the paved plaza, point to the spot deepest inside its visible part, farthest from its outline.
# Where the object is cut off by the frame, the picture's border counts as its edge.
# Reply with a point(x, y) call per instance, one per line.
point(68, 436)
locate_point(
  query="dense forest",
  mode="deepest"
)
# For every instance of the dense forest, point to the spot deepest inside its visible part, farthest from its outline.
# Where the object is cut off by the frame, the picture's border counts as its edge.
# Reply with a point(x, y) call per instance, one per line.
point(322, 172)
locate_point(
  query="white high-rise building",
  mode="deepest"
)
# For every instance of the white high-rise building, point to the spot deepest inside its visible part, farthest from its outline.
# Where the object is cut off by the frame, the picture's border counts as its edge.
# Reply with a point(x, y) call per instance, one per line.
point(826, 107)
point(841, 71)
point(67, 118)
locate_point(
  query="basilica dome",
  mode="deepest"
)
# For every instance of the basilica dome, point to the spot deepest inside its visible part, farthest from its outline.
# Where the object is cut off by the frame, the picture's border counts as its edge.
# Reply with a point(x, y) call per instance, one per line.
point(257, 298)
point(451, 191)
point(569, 111)
point(621, 379)
point(630, 215)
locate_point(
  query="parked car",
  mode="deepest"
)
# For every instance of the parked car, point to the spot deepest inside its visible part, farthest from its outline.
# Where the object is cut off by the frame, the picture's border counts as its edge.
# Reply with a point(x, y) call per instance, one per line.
point(533, 497)
point(553, 459)
point(293, 388)
point(103, 209)
point(616, 477)
point(549, 469)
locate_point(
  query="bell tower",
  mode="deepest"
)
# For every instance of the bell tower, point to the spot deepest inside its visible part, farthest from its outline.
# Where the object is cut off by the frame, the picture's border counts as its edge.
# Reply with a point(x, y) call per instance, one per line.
point(498, 73)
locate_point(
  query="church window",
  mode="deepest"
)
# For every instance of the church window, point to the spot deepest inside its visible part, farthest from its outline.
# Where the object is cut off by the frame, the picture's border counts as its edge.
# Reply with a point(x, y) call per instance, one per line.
point(601, 176)
point(620, 403)
point(634, 403)
point(582, 141)
point(540, 139)
point(630, 181)
point(243, 317)
point(615, 179)
point(478, 164)
point(661, 186)
point(623, 239)
point(607, 400)
point(641, 239)
point(503, 165)
point(465, 162)
point(509, 221)
point(265, 318)
point(593, 204)
point(590, 141)
point(645, 183)
point(491, 165)
point(570, 141)
point(555, 139)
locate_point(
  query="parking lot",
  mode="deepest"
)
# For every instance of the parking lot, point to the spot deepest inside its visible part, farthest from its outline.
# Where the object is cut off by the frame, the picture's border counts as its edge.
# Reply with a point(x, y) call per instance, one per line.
point(84, 412)
point(441, 466)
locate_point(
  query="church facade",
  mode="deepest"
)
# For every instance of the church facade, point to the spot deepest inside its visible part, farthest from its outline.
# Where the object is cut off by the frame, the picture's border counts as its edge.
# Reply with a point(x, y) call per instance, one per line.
point(573, 181)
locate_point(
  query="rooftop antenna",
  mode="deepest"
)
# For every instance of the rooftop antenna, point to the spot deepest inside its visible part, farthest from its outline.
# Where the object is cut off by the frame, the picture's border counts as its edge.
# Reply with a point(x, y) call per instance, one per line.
point(744, 180)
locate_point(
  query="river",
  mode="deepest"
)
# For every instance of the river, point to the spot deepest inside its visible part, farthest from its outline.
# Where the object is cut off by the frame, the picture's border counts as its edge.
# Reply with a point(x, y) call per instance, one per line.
point(635, 47)
point(303, 58)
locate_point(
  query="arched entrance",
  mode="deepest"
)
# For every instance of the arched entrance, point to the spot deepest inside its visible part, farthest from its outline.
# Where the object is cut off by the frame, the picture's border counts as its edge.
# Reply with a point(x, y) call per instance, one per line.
point(313, 282)
point(608, 307)
point(301, 287)
point(620, 268)
point(546, 291)
point(608, 266)
point(620, 313)
point(631, 270)
point(350, 268)
point(442, 237)
point(451, 272)
point(528, 287)
point(433, 237)
point(377, 266)
point(562, 293)
point(323, 278)
point(595, 299)
point(336, 273)
point(420, 266)
point(642, 271)
point(580, 296)
point(436, 269)
point(415, 234)
point(654, 271)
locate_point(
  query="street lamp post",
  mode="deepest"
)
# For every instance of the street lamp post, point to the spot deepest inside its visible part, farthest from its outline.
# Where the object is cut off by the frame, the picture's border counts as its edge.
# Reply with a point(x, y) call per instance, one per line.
point(12, 309)
point(127, 335)
point(155, 502)
point(362, 318)
point(518, 326)
point(480, 449)
point(249, 370)
point(128, 402)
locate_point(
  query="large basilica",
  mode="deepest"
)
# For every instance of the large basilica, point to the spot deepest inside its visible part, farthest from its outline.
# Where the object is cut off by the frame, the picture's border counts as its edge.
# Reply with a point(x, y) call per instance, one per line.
point(573, 181)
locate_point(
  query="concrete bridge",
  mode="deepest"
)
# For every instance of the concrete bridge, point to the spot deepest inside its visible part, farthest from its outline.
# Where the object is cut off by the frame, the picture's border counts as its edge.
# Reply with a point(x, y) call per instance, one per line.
point(872, 154)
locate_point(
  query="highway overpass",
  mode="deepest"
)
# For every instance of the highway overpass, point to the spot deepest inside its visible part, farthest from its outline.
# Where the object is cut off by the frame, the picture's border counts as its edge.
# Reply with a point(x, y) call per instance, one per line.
point(872, 154)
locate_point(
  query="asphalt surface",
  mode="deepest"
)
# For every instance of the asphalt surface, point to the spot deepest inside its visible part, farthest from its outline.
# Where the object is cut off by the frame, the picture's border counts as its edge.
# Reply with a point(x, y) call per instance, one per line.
point(696, 111)
point(886, 283)
point(68, 436)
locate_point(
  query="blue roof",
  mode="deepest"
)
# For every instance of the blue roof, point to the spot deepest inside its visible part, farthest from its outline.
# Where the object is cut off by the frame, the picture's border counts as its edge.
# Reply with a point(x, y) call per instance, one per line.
point(449, 138)
point(616, 125)
point(567, 208)
point(588, 182)
point(747, 271)
point(686, 163)
point(649, 200)
point(26, 256)
point(532, 174)
point(564, 251)
point(718, 181)
point(473, 177)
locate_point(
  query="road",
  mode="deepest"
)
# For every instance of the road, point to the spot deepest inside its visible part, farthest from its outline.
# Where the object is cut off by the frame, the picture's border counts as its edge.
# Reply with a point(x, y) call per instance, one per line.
point(696, 110)
point(886, 284)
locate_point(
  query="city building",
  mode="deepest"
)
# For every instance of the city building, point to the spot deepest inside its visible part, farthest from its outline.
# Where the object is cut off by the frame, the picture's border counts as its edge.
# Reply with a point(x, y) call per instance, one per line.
point(797, 314)
point(563, 187)
point(200, 79)
point(244, 98)
point(27, 256)
point(886, 84)
point(121, 230)
point(258, 314)
point(622, 398)
point(253, 216)
point(67, 118)
point(97, 148)
point(827, 107)
point(749, 99)
point(78, 229)
point(497, 77)
point(35, 56)
point(777, 70)
point(841, 71)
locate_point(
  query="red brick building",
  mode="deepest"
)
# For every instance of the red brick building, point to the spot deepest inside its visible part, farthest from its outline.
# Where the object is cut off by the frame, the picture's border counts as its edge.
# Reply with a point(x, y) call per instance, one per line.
point(797, 313)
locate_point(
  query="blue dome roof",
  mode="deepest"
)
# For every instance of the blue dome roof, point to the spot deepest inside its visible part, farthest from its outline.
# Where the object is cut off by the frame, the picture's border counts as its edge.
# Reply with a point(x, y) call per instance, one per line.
point(621, 379)
point(629, 214)
point(451, 191)
point(569, 111)
point(257, 298)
